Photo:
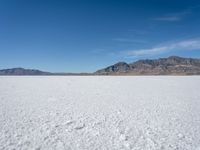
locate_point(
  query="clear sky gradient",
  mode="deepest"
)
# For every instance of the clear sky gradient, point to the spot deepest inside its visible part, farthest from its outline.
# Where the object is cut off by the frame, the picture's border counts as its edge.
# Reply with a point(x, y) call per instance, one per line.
point(86, 35)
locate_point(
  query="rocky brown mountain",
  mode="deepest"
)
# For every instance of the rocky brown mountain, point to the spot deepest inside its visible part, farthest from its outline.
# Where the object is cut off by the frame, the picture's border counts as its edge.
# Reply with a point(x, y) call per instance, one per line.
point(172, 65)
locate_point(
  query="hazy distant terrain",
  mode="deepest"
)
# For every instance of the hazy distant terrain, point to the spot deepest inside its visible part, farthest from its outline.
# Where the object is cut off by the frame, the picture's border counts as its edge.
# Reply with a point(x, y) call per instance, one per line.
point(22, 71)
point(139, 113)
point(33, 72)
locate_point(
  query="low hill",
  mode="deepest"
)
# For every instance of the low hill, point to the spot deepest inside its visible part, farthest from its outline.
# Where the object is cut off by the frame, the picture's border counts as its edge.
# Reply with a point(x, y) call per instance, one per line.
point(22, 71)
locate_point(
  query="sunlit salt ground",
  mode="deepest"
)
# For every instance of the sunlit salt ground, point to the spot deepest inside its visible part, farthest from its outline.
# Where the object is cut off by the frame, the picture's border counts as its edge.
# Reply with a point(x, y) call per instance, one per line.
point(139, 113)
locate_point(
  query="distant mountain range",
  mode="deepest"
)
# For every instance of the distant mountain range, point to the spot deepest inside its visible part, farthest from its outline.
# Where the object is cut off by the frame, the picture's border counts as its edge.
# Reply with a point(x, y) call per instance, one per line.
point(22, 71)
point(34, 72)
point(172, 65)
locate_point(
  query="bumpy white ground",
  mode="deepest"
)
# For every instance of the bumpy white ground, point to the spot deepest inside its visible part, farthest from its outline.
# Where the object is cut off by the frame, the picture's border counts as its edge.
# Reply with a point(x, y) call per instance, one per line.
point(139, 113)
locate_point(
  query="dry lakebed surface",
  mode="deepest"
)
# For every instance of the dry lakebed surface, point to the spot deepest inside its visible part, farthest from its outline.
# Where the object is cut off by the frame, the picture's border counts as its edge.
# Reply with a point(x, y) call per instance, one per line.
point(100, 112)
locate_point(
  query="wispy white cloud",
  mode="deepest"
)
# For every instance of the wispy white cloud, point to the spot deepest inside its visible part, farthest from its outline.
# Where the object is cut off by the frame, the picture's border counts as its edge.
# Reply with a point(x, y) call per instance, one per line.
point(98, 51)
point(173, 17)
point(139, 31)
point(193, 44)
point(129, 40)
point(168, 18)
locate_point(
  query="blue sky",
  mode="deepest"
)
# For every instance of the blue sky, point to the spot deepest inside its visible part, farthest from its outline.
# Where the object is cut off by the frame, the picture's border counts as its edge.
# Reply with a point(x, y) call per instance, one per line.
point(86, 35)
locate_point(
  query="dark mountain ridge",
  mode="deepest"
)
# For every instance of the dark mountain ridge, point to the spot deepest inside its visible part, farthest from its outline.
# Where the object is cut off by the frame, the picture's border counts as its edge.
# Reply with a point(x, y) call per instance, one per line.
point(172, 65)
